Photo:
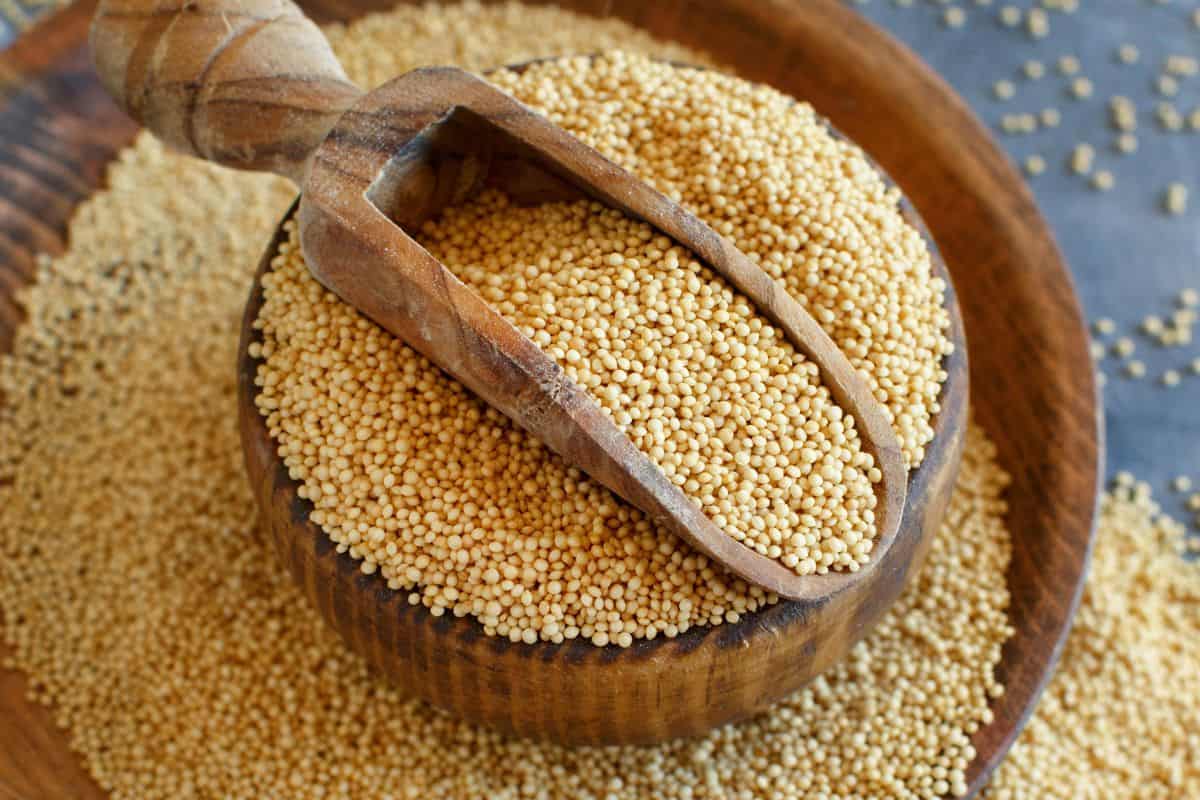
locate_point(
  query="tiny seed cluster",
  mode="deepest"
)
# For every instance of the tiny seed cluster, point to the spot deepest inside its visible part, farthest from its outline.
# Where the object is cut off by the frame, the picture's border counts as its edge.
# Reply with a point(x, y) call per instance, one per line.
point(1173, 330)
point(809, 207)
point(732, 413)
point(684, 365)
point(1120, 717)
point(224, 684)
point(447, 499)
point(1168, 86)
point(157, 553)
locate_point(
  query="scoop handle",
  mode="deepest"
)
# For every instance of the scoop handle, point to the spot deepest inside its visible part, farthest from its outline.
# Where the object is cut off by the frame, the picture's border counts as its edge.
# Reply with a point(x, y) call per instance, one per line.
point(251, 84)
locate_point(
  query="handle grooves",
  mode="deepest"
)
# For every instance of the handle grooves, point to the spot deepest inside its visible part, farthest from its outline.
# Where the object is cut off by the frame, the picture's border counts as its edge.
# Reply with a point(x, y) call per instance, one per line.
point(251, 84)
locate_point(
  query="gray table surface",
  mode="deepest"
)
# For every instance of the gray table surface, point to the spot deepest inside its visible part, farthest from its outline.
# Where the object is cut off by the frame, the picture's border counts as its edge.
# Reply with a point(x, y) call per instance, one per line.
point(1129, 258)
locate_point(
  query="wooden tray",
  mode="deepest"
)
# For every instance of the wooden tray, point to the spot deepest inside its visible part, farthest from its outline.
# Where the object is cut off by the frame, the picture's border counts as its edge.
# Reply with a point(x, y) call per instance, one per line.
point(1032, 383)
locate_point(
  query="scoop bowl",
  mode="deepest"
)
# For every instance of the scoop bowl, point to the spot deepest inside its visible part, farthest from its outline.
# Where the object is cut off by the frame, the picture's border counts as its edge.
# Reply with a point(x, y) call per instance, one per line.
point(575, 692)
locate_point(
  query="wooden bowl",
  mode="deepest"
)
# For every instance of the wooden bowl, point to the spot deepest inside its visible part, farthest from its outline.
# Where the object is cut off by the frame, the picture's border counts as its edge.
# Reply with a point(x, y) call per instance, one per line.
point(575, 692)
point(1032, 384)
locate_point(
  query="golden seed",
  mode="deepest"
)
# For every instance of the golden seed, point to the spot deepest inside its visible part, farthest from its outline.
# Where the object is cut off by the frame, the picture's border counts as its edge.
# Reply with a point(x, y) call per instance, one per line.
point(1128, 681)
point(1127, 143)
point(1082, 157)
point(954, 17)
point(1103, 180)
point(1175, 199)
point(1037, 23)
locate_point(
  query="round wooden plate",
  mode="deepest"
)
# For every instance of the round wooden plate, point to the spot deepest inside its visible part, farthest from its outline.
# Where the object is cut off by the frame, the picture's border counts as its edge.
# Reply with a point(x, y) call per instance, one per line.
point(1032, 384)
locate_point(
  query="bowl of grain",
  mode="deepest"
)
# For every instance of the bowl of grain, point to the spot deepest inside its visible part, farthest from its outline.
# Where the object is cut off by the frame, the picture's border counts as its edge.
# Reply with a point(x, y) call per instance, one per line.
point(485, 575)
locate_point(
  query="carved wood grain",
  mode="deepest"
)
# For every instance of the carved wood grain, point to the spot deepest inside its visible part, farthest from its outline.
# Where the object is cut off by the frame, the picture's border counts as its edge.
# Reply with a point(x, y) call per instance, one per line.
point(254, 84)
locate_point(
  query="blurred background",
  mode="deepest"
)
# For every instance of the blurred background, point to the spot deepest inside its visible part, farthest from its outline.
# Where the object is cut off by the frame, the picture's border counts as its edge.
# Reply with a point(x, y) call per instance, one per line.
point(1045, 76)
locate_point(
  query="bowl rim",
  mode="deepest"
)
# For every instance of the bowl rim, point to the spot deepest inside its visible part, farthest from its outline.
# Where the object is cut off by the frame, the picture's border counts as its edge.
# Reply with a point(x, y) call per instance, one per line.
point(953, 398)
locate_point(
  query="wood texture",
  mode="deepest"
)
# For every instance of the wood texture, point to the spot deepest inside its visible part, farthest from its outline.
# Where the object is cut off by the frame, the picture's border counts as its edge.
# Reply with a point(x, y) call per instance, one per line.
point(254, 84)
point(576, 692)
point(1015, 294)
point(435, 137)
point(251, 84)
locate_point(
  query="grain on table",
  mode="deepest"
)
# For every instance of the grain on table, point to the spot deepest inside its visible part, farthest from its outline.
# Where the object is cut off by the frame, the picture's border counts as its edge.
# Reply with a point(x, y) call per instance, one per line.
point(225, 683)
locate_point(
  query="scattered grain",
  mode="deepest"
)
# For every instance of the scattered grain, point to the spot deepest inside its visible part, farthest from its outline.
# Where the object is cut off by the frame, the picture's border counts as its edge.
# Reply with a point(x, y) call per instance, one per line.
point(1122, 113)
point(1035, 165)
point(1168, 117)
point(1082, 157)
point(954, 17)
point(1037, 23)
point(1175, 199)
point(173, 565)
point(1068, 65)
point(1119, 717)
point(1126, 143)
point(1018, 123)
point(1182, 66)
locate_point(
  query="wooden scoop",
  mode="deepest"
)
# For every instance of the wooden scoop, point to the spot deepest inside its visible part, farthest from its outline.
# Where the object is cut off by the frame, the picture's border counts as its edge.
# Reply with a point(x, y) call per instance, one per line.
point(253, 84)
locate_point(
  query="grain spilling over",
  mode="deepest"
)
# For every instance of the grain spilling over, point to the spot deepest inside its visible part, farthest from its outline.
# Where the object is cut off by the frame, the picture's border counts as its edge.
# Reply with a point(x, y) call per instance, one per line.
point(227, 685)
point(174, 566)
point(1121, 715)
point(683, 365)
